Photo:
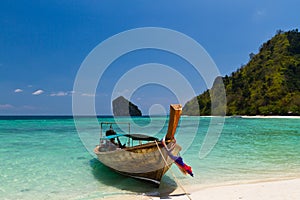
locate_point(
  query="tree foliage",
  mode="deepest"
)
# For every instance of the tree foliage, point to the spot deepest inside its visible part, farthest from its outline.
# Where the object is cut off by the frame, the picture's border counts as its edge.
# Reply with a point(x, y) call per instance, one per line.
point(268, 85)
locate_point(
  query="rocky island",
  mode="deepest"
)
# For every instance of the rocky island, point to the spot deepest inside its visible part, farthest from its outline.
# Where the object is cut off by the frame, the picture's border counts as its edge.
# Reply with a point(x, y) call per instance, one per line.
point(123, 107)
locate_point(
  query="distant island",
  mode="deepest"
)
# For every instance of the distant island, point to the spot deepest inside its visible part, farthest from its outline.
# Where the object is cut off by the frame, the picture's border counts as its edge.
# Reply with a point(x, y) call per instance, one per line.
point(269, 84)
point(123, 107)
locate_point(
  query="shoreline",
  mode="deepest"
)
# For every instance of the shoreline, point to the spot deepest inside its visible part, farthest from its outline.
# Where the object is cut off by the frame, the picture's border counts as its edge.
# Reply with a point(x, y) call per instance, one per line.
point(263, 190)
point(269, 117)
point(249, 116)
point(256, 190)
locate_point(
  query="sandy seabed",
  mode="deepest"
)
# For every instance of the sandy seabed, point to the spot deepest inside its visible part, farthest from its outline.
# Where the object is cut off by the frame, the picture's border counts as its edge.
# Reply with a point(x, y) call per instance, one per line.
point(260, 190)
point(271, 190)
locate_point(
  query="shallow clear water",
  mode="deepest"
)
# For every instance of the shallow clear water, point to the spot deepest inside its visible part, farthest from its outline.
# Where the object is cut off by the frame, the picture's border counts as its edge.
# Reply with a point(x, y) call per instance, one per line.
point(44, 158)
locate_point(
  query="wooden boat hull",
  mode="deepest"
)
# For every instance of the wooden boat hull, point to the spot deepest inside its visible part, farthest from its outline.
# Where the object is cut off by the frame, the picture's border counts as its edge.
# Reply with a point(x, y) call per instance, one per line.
point(149, 161)
point(145, 162)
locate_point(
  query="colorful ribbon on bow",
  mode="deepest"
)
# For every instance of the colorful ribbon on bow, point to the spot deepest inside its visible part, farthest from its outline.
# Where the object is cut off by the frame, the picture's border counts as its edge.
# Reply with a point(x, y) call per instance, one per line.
point(184, 168)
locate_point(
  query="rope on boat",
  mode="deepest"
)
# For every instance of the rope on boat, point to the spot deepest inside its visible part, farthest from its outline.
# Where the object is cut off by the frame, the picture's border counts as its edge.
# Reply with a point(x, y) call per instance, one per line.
point(169, 168)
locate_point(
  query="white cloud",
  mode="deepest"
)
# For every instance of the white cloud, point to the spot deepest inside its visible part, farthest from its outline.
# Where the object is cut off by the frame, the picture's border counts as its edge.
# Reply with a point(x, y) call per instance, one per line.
point(59, 94)
point(88, 95)
point(38, 92)
point(6, 106)
point(27, 107)
point(18, 90)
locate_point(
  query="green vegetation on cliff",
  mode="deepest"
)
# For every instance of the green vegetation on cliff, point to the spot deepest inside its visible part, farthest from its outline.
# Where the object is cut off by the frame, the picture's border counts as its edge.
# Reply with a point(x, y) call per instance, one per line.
point(268, 85)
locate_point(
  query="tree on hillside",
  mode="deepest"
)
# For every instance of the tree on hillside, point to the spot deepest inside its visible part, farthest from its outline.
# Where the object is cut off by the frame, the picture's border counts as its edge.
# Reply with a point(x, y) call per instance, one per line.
point(268, 85)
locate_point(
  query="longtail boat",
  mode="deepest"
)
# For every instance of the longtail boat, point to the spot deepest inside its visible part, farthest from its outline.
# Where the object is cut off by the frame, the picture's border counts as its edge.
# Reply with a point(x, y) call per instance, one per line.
point(141, 156)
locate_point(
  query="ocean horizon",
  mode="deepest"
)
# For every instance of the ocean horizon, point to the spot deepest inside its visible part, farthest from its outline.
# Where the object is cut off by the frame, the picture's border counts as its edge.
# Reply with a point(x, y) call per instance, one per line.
point(43, 157)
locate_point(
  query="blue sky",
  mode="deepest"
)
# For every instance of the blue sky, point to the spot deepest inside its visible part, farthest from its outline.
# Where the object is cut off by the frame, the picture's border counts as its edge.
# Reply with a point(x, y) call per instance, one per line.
point(43, 43)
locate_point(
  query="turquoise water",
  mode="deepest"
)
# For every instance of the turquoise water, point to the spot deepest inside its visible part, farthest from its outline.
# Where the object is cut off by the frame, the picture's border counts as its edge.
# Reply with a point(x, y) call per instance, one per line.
point(44, 158)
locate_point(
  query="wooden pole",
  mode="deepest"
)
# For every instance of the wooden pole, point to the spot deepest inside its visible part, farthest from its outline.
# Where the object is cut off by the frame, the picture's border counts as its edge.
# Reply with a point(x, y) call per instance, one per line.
point(175, 112)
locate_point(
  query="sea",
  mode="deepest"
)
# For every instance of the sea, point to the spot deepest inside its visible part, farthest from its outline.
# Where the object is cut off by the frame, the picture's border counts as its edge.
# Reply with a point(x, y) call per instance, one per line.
point(50, 157)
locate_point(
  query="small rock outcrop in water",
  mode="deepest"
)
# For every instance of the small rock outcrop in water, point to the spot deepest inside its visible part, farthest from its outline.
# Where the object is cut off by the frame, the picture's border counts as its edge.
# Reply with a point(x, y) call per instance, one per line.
point(123, 107)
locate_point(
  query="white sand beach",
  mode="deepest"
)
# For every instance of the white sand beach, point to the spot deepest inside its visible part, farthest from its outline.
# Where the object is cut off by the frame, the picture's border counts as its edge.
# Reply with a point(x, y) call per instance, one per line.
point(283, 189)
point(271, 190)
point(270, 117)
